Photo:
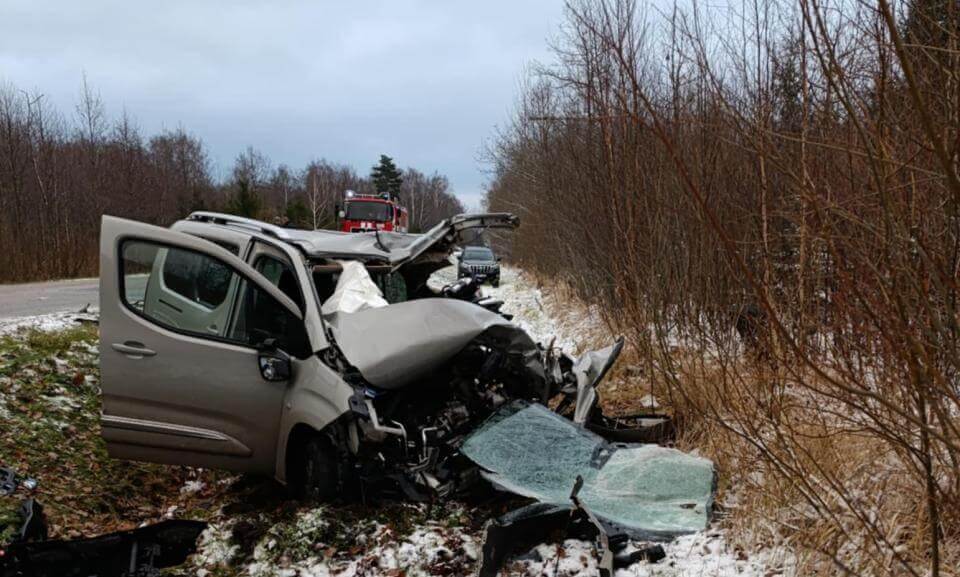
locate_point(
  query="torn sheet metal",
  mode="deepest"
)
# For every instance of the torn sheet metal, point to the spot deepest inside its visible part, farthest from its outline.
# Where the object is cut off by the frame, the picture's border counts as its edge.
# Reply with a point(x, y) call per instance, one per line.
point(590, 369)
point(650, 492)
point(396, 248)
point(355, 291)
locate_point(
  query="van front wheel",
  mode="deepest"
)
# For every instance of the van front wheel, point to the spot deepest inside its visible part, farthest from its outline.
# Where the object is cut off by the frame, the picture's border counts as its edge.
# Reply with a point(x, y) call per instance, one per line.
point(317, 472)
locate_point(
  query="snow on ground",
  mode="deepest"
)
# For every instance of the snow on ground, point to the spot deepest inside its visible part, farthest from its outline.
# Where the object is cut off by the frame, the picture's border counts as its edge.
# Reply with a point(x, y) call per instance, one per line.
point(573, 325)
point(451, 548)
point(49, 322)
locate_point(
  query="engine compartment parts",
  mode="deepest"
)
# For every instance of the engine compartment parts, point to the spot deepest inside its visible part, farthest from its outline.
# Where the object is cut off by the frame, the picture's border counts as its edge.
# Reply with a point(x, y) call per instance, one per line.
point(417, 397)
point(648, 491)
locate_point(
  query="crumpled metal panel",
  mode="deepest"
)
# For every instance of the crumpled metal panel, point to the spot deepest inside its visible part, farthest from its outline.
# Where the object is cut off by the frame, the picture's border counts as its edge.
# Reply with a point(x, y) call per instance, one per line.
point(589, 369)
point(650, 491)
point(395, 248)
point(398, 344)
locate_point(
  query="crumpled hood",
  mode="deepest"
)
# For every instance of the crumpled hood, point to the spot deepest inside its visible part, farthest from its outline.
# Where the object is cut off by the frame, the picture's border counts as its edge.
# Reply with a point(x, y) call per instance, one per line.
point(395, 345)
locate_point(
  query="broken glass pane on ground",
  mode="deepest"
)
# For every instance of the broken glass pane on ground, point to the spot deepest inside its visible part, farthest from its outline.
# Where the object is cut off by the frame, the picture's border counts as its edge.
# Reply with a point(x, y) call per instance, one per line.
point(647, 491)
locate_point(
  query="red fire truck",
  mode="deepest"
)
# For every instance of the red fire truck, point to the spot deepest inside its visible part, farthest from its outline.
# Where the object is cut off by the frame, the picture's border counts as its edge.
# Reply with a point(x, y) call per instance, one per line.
point(369, 212)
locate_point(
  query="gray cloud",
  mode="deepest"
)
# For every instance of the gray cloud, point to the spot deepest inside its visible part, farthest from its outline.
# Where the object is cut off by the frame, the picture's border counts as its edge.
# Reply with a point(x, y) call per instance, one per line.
point(423, 81)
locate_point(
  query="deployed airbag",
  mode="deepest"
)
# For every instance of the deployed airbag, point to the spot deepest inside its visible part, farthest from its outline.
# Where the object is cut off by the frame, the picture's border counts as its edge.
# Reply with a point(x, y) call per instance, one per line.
point(650, 491)
point(355, 291)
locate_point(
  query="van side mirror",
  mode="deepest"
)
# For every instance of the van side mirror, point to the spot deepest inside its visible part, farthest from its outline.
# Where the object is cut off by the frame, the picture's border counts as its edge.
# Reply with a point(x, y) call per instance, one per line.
point(499, 258)
point(274, 363)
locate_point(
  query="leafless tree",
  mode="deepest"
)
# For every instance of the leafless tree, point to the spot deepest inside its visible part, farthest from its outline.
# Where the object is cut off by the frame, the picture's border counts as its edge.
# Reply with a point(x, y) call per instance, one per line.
point(796, 160)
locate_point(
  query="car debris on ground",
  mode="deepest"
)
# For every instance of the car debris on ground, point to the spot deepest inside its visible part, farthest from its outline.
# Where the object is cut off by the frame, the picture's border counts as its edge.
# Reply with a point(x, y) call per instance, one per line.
point(25, 550)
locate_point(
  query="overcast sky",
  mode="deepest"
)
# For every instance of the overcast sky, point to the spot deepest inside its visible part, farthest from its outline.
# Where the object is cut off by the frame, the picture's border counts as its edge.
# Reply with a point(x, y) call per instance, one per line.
point(423, 81)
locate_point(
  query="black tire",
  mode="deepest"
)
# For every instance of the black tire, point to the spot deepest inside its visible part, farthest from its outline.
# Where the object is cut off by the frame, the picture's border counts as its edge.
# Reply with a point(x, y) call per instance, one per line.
point(496, 282)
point(317, 474)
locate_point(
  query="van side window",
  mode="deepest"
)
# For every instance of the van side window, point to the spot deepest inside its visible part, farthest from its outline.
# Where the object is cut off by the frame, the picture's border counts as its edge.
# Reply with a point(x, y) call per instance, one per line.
point(261, 317)
point(177, 288)
point(196, 277)
point(281, 275)
point(193, 293)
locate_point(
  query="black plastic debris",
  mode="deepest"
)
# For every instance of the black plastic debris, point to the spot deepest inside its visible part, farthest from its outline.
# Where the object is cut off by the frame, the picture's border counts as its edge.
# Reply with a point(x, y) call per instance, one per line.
point(138, 553)
point(516, 532)
point(655, 428)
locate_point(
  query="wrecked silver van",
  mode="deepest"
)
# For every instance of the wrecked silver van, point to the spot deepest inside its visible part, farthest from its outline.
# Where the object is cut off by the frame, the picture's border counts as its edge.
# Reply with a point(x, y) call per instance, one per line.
point(321, 358)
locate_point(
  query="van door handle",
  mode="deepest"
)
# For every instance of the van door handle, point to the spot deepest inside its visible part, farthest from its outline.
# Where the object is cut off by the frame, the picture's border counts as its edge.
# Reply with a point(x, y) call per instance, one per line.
point(133, 349)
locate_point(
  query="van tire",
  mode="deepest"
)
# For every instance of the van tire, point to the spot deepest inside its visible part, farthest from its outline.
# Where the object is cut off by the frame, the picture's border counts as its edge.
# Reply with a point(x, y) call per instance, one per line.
point(317, 474)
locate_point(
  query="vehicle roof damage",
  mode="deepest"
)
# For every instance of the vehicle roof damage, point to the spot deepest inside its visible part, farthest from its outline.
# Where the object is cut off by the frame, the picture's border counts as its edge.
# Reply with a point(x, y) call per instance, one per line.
point(419, 255)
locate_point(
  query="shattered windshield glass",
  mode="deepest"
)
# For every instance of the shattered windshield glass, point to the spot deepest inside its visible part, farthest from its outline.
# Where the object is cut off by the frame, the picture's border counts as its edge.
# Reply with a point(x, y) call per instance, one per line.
point(652, 491)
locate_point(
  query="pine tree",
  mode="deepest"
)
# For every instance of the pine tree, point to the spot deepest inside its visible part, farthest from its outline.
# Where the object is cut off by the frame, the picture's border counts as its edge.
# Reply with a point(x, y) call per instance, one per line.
point(245, 202)
point(298, 215)
point(386, 176)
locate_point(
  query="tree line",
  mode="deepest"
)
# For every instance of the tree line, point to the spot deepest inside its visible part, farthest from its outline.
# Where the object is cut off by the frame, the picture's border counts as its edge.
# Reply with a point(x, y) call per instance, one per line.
point(60, 172)
point(788, 170)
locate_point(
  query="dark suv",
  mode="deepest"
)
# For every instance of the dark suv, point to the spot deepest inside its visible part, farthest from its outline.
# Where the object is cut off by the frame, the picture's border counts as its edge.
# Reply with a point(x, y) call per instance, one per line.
point(479, 261)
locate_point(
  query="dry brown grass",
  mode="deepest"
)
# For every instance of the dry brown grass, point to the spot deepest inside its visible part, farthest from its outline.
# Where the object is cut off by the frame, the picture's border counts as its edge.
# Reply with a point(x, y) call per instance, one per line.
point(793, 469)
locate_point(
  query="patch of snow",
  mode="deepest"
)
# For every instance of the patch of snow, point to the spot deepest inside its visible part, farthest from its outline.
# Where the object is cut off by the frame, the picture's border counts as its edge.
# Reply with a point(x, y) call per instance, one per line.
point(577, 327)
point(215, 548)
point(574, 558)
point(62, 403)
point(648, 401)
point(60, 365)
point(708, 554)
point(574, 326)
point(704, 554)
point(47, 323)
point(192, 486)
point(415, 555)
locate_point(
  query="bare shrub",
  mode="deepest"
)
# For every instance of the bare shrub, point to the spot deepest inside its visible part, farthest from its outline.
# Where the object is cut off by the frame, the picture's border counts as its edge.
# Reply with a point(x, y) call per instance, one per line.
point(797, 159)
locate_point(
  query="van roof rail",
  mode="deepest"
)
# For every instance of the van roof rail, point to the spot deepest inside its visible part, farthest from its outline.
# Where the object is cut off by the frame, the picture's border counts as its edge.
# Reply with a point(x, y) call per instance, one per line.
point(242, 222)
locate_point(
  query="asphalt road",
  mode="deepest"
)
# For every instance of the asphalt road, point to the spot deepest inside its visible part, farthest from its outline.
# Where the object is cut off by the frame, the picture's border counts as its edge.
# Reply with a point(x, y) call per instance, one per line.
point(23, 300)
